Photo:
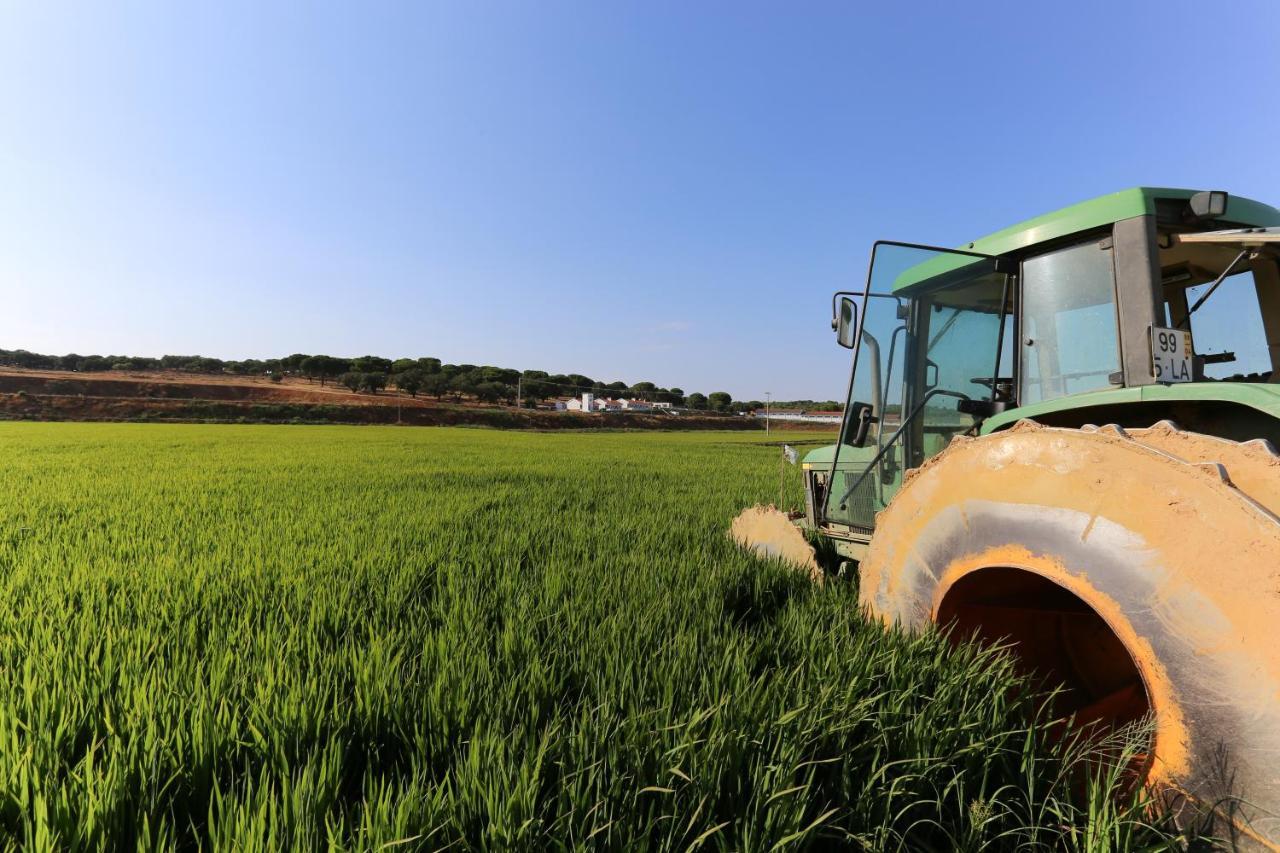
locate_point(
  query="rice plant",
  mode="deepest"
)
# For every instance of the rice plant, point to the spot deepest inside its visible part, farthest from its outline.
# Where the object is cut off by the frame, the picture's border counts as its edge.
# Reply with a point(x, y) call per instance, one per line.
point(369, 638)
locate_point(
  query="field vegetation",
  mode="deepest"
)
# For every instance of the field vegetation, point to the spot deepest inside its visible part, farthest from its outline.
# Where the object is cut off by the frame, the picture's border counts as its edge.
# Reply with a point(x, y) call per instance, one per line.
point(276, 637)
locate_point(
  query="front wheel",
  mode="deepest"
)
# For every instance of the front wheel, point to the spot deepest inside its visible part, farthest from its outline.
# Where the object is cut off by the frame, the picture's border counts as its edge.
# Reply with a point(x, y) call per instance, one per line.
point(1141, 580)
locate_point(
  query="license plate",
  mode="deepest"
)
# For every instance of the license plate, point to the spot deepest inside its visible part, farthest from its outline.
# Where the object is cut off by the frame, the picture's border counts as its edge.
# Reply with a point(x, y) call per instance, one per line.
point(1171, 355)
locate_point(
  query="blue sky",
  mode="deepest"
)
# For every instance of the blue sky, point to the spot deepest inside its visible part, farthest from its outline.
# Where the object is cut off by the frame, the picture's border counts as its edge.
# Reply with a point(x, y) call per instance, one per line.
point(638, 191)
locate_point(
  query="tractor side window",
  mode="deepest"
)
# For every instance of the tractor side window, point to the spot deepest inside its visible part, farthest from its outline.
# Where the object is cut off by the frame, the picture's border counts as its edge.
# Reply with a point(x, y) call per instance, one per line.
point(1227, 331)
point(1230, 327)
point(1069, 338)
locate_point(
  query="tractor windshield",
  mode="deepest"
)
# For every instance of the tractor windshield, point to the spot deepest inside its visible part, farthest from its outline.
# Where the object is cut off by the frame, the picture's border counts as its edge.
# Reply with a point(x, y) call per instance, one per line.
point(932, 332)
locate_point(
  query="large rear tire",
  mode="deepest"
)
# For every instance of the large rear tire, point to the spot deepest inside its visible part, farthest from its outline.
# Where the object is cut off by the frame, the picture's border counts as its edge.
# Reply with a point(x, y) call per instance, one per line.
point(1142, 579)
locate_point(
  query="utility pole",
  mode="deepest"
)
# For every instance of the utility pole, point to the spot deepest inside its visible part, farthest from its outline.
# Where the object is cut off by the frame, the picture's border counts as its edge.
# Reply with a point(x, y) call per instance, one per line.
point(519, 388)
point(767, 401)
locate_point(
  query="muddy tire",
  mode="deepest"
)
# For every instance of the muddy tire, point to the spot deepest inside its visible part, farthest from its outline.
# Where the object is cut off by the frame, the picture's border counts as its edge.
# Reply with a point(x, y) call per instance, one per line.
point(1130, 567)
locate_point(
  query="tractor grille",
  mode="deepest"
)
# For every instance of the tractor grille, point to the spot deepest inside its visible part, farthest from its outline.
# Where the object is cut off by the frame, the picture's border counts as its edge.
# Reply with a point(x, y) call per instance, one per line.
point(860, 510)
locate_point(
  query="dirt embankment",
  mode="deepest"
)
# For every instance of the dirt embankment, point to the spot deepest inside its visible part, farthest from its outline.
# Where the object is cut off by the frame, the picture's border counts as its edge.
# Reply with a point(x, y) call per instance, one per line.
point(176, 386)
point(32, 395)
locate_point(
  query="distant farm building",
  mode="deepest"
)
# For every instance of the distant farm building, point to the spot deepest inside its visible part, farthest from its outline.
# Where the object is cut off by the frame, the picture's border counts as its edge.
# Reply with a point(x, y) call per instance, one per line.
point(592, 403)
point(817, 417)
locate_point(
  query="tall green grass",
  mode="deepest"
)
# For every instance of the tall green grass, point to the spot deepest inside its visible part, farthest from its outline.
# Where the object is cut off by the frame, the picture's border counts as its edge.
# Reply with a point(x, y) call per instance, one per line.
point(264, 638)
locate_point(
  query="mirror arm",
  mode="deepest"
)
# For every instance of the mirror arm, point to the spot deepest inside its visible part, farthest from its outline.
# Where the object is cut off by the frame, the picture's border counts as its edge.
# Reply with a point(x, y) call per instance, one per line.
point(835, 298)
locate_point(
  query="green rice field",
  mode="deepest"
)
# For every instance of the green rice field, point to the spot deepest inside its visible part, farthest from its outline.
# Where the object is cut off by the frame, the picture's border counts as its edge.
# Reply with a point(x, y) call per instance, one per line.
point(381, 638)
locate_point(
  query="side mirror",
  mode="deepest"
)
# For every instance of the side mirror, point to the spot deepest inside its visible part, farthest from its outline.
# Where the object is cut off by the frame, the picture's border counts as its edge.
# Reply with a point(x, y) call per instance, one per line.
point(845, 322)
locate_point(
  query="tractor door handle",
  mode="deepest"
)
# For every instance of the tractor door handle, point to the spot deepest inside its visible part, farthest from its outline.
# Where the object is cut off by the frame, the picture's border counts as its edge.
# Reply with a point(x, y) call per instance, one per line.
point(865, 420)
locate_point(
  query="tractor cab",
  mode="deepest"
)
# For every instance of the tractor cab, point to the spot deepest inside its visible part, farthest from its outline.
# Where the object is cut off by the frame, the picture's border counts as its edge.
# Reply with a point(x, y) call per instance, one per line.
point(1143, 305)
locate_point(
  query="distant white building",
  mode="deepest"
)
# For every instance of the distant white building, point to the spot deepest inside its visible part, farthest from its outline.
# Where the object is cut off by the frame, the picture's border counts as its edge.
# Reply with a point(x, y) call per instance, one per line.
point(587, 403)
point(592, 403)
point(800, 415)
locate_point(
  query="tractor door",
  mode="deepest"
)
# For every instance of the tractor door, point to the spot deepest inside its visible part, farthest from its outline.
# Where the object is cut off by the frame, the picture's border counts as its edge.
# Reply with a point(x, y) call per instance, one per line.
point(931, 359)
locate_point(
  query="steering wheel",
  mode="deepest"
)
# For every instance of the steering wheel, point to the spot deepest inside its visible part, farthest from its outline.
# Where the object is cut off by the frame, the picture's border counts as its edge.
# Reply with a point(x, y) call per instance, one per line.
point(1001, 386)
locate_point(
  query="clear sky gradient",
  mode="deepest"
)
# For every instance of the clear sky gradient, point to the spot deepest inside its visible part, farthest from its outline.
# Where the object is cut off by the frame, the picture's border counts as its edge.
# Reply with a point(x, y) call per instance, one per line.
point(638, 191)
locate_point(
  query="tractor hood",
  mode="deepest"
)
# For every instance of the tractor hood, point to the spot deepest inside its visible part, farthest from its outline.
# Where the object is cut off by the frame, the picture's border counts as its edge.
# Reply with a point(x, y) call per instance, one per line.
point(850, 456)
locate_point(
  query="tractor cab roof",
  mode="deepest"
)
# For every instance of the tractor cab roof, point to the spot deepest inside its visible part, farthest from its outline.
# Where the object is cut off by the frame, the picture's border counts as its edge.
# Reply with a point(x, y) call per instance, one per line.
point(1167, 204)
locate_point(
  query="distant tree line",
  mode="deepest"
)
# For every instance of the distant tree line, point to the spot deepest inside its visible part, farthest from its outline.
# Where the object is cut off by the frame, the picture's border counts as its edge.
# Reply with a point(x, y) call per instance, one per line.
point(413, 376)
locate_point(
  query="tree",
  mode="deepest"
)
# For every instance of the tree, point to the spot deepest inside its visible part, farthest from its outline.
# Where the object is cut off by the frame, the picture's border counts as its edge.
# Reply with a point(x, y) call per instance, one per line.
point(332, 367)
point(462, 382)
point(293, 363)
point(34, 359)
point(371, 364)
point(435, 383)
point(94, 363)
point(696, 401)
point(248, 367)
point(373, 381)
point(175, 362)
point(351, 380)
point(720, 401)
point(429, 365)
point(324, 367)
point(534, 385)
point(492, 392)
point(409, 381)
point(400, 365)
point(643, 390)
point(488, 373)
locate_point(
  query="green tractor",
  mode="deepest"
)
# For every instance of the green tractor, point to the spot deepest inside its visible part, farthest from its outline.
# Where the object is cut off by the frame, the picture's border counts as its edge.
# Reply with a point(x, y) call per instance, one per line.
point(1061, 436)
